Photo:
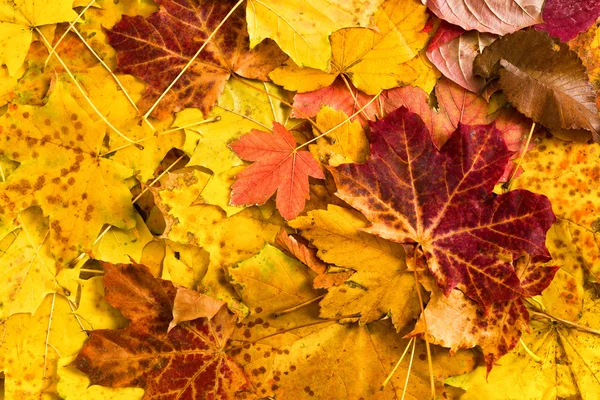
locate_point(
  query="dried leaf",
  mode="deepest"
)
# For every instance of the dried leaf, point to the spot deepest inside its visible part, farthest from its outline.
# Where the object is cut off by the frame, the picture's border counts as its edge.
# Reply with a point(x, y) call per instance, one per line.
point(493, 16)
point(542, 79)
point(186, 362)
point(166, 41)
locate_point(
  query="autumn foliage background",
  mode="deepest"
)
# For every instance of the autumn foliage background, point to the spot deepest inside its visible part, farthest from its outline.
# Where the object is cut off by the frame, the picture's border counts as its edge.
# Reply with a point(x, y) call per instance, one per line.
point(309, 199)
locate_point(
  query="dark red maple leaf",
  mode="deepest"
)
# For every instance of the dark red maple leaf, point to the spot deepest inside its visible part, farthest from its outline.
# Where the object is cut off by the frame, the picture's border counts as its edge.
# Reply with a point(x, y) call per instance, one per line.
point(158, 47)
point(443, 201)
point(186, 363)
point(278, 167)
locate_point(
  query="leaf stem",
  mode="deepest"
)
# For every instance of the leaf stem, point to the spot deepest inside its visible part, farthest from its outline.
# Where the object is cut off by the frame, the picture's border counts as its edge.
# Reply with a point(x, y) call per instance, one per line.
point(297, 307)
point(564, 321)
point(385, 382)
point(528, 351)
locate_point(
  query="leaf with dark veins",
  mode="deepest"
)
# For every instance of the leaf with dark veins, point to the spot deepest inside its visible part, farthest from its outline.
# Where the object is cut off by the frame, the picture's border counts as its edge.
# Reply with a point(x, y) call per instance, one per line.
point(188, 362)
point(442, 200)
point(158, 47)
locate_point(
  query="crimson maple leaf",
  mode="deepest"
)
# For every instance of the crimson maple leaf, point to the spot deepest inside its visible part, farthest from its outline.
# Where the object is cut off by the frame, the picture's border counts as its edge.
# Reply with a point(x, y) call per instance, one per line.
point(443, 201)
point(278, 167)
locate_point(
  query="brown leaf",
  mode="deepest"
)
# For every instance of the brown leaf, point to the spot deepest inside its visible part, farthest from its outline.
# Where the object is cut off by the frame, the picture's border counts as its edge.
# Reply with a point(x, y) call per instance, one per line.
point(543, 79)
point(157, 48)
point(188, 362)
point(190, 305)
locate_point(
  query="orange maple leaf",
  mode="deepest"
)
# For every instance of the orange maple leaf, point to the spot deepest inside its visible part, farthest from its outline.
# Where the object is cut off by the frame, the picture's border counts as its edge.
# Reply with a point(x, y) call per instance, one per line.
point(278, 166)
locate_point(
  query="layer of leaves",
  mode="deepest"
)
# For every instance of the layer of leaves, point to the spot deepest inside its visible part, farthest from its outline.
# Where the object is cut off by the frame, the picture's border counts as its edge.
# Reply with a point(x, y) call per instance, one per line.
point(373, 59)
point(302, 27)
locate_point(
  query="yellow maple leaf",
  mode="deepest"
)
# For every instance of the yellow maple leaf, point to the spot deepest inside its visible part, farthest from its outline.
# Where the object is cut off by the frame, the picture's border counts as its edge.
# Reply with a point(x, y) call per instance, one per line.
point(301, 28)
point(17, 20)
point(373, 59)
point(60, 171)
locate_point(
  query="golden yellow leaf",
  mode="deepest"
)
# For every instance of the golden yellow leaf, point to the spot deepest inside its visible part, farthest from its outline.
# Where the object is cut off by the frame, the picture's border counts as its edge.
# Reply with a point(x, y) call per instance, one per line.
point(227, 240)
point(122, 246)
point(569, 174)
point(17, 20)
point(60, 171)
point(374, 59)
point(184, 264)
point(301, 28)
point(346, 144)
point(337, 233)
point(33, 344)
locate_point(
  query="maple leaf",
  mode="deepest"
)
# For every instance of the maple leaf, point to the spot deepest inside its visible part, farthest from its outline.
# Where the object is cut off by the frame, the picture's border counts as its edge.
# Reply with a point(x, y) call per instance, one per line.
point(188, 361)
point(372, 59)
point(57, 147)
point(543, 79)
point(157, 48)
point(411, 193)
point(566, 19)
point(243, 106)
point(17, 18)
point(302, 27)
point(493, 16)
point(278, 167)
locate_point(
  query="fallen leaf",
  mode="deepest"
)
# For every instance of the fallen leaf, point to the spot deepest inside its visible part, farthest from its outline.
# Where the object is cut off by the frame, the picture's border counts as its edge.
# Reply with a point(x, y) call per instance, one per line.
point(338, 234)
point(373, 59)
point(18, 20)
point(299, 250)
point(148, 356)
point(302, 27)
point(57, 148)
point(345, 144)
point(278, 166)
point(494, 16)
point(543, 79)
point(457, 322)
point(393, 189)
point(190, 305)
point(156, 43)
point(566, 19)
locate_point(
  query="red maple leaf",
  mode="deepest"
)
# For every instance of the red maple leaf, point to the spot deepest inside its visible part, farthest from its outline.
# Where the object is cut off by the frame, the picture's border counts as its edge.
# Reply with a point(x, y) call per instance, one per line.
point(278, 167)
point(186, 363)
point(158, 47)
point(443, 201)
